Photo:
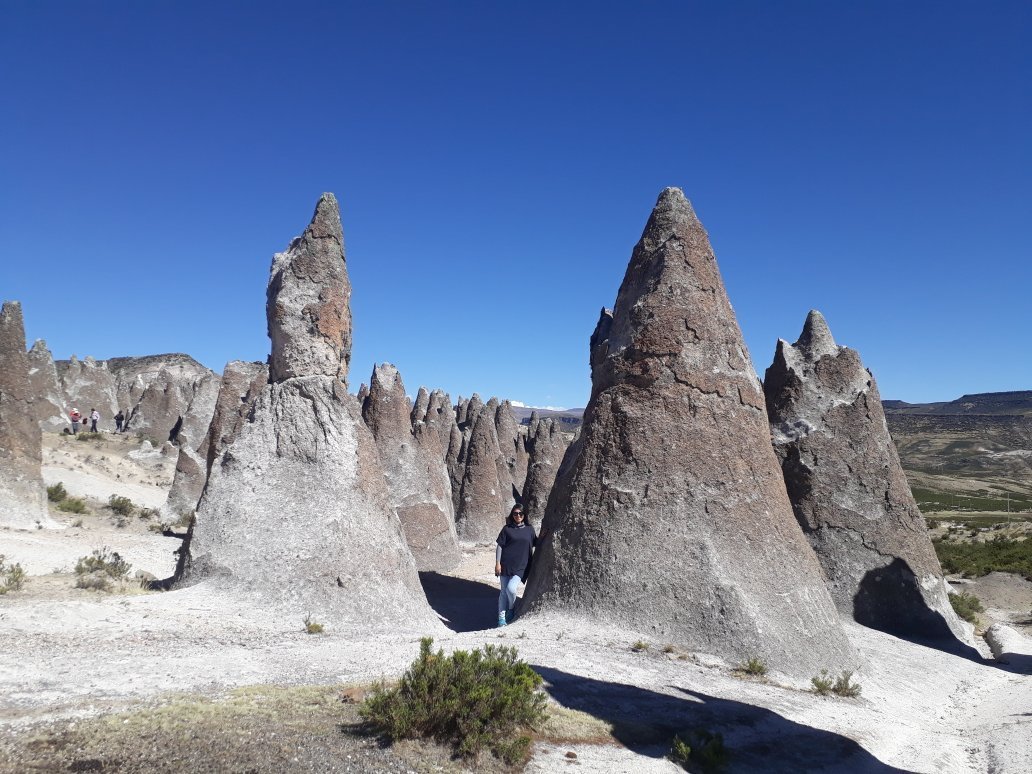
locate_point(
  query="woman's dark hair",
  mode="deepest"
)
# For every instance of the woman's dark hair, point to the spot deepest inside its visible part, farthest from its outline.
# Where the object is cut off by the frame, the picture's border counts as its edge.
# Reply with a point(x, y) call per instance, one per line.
point(509, 520)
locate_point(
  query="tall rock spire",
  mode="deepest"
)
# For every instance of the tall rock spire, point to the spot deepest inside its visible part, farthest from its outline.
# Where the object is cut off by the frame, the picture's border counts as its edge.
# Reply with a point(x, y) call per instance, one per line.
point(669, 515)
point(296, 512)
point(308, 307)
point(848, 489)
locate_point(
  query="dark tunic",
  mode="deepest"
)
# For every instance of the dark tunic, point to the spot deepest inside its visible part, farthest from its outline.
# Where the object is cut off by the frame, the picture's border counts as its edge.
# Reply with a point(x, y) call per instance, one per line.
point(516, 543)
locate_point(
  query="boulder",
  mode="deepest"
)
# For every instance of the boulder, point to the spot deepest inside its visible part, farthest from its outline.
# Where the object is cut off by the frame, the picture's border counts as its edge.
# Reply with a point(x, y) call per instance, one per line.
point(669, 515)
point(296, 515)
point(848, 489)
point(417, 478)
point(23, 497)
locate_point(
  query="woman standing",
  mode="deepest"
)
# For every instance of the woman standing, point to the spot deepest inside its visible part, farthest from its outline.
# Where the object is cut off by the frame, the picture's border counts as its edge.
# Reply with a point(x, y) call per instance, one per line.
point(512, 557)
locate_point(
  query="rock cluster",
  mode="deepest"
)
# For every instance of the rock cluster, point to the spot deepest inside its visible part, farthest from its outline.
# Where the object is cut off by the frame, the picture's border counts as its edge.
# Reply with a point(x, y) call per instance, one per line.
point(50, 407)
point(669, 514)
point(848, 489)
point(23, 498)
point(296, 511)
point(414, 463)
point(547, 444)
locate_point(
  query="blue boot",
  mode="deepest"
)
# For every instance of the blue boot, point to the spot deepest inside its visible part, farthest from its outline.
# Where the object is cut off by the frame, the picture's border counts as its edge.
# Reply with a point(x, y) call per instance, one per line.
point(501, 620)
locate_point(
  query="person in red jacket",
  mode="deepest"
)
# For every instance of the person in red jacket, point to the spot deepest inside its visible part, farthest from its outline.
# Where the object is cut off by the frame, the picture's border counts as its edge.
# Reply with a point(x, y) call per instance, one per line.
point(76, 418)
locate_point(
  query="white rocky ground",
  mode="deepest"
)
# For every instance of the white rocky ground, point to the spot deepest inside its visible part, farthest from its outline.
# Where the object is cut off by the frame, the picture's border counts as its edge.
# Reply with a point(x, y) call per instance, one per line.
point(66, 652)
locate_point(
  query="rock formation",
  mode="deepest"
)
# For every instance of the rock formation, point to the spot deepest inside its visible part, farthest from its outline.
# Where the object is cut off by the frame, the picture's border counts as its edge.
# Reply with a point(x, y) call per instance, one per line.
point(547, 447)
point(23, 498)
point(440, 415)
point(417, 479)
point(670, 515)
point(88, 384)
point(242, 383)
point(296, 513)
point(49, 406)
point(848, 490)
point(511, 445)
point(485, 494)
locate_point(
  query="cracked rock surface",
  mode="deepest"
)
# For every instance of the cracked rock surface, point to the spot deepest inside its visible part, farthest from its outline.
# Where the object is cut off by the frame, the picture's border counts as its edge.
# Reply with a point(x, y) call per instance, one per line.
point(669, 512)
point(848, 489)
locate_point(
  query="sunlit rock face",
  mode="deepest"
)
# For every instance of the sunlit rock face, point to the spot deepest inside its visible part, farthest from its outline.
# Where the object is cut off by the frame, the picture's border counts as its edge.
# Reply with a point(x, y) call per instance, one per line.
point(23, 498)
point(848, 489)
point(296, 513)
point(417, 478)
point(669, 514)
point(547, 446)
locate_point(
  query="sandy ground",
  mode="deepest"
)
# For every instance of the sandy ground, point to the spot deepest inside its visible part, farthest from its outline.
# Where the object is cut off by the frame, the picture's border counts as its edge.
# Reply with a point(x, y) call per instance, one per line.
point(68, 653)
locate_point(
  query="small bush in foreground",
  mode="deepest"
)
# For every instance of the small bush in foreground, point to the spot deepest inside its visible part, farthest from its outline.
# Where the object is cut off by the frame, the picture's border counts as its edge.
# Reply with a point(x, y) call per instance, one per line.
point(97, 570)
point(123, 506)
point(966, 605)
point(699, 750)
point(72, 505)
point(12, 576)
point(640, 646)
point(88, 436)
point(57, 492)
point(312, 627)
point(754, 667)
point(472, 700)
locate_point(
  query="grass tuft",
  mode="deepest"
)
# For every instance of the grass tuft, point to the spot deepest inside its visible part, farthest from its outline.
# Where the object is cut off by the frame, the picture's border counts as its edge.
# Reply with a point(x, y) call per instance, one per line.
point(967, 606)
point(311, 626)
point(72, 505)
point(57, 492)
point(97, 570)
point(699, 750)
point(12, 576)
point(754, 667)
point(123, 506)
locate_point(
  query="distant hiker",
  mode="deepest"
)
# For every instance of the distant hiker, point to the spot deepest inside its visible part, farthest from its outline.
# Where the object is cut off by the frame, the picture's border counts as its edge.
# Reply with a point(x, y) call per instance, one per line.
point(119, 419)
point(94, 418)
point(512, 560)
point(76, 417)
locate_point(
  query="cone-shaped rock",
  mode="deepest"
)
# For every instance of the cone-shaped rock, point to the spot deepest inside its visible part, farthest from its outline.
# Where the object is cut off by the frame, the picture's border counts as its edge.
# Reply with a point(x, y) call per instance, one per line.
point(848, 490)
point(670, 514)
point(23, 498)
point(417, 478)
point(48, 405)
point(295, 514)
point(484, 498)
point(440, 415)
point(547, 447)
point(308, 305)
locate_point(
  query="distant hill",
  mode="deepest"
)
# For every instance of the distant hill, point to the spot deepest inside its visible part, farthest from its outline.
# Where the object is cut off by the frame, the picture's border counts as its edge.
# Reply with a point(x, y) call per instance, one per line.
point(1017, 403)
point(570, 418)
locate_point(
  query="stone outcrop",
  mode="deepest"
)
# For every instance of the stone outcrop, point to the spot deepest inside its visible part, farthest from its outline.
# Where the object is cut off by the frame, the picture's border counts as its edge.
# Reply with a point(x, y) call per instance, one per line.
point(296, 514)
point(547, 445)
point(88, 384)
point(440, 415)
point(511, 445)
point(308, 305)
point(187, 484)
point(848, 490)
point(485, 494)
point(49, 407)
point(669, 515)
point(242, 383)
point(23, 498)
point(417, 479)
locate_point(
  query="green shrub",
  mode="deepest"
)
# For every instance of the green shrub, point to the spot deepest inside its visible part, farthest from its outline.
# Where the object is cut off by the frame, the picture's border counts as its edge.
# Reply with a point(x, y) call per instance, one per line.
point(123, 506)
point(699, 750)
point(967, 606)
point(845, 687)
point(472, 700)
point(754, 667)
point(148, 513)
point(97, 570)
point(85, 435)
point(312, 627)
point(973, 560)
point(57, 492)
point(72, 505)
point(12, 576)
point(640, 646)
point(822, 683)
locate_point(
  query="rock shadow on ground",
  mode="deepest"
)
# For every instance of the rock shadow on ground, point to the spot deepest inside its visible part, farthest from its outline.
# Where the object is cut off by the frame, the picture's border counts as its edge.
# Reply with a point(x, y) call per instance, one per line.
point(463, 605)
point(758, 739)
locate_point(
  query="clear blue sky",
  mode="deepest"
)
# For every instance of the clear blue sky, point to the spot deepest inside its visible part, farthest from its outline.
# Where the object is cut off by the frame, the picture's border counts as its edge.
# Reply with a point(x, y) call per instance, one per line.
point(496, 163)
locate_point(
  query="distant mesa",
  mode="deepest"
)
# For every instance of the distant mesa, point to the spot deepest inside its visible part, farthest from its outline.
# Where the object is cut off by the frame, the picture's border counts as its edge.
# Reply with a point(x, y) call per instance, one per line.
point(669, 513)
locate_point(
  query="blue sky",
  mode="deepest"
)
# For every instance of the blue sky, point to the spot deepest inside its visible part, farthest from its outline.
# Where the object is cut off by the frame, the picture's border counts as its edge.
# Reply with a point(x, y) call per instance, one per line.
point(496, 163)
